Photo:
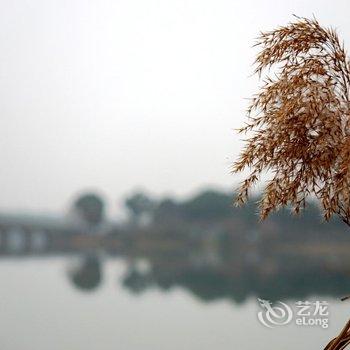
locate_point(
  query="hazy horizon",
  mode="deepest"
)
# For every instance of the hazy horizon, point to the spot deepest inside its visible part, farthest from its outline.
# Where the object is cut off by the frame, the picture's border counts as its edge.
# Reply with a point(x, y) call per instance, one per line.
point(121, 95)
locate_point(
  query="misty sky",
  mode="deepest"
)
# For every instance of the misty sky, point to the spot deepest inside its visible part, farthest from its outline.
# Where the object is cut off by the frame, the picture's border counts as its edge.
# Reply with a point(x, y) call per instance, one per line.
point(116, 95)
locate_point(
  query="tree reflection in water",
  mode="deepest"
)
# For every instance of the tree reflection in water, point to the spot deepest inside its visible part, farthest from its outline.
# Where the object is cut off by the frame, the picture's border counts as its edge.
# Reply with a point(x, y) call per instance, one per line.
point(88, 274)
point(210, 283)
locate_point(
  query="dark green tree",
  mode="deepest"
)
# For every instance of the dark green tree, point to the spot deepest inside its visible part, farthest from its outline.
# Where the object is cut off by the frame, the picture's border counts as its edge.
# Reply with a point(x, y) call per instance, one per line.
point(208, 205)
point(138, 205)
point(90, 208)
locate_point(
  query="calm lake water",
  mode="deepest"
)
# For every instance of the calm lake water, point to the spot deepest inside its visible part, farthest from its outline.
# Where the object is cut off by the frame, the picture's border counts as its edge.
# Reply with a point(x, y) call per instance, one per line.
point(41, 308)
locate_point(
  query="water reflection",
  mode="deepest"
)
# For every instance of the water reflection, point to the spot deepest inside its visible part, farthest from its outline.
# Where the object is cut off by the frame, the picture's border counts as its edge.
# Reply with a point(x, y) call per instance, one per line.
point(87, 274)
point(209, 283)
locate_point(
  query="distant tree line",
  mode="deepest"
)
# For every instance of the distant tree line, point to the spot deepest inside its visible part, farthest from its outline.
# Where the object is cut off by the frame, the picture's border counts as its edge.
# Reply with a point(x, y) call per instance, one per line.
point(208, 205)
point(208, 208)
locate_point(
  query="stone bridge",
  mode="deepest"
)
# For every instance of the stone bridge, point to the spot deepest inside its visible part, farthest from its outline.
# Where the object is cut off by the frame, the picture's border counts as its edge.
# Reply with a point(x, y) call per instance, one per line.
point(21, 235)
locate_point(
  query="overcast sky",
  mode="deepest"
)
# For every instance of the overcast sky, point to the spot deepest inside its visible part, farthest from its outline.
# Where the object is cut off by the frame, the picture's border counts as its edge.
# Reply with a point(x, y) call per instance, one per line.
point(113, 95)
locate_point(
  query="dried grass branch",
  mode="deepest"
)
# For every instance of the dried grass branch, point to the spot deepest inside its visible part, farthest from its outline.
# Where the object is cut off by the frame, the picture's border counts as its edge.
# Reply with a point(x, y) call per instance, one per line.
point(298, 123)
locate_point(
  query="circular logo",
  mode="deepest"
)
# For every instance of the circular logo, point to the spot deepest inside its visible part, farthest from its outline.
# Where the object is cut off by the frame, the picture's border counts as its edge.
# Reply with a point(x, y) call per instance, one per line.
point(274, 315)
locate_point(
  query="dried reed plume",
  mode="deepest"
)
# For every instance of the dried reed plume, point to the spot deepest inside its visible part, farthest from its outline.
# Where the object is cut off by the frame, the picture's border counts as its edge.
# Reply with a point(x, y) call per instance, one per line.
point(298, 123)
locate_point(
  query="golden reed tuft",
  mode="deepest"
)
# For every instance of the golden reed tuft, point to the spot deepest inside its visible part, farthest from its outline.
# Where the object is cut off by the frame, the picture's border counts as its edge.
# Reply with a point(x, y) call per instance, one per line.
point(298, 123)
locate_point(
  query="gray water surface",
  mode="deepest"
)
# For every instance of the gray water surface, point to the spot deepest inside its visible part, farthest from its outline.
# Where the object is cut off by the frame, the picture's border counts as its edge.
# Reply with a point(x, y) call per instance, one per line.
point(40, 309)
